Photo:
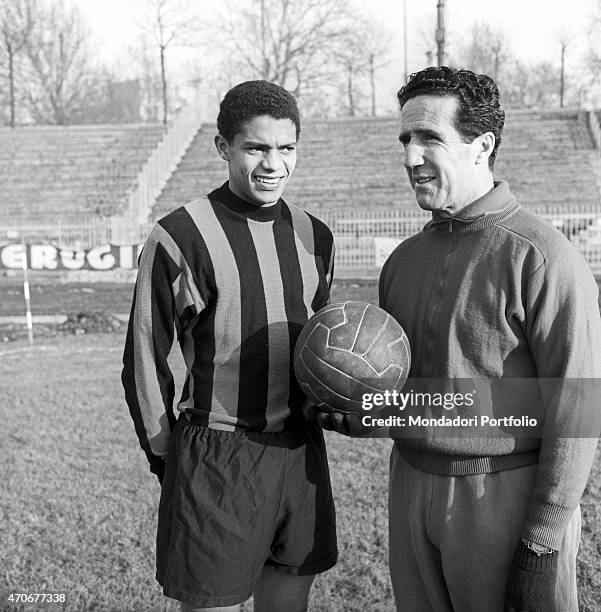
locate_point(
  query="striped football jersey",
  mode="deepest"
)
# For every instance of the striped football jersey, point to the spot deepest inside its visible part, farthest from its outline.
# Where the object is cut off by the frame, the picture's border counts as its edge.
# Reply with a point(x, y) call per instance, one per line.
point(234, 283)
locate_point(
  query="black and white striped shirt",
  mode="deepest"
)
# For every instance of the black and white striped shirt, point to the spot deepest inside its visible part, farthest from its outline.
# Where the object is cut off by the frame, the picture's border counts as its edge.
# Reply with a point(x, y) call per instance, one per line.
point(236, 282)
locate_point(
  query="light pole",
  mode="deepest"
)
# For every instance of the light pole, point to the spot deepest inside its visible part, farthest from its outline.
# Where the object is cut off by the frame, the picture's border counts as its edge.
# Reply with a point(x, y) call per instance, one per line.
point(440, 33)
point(406, 74)
point(564, 44)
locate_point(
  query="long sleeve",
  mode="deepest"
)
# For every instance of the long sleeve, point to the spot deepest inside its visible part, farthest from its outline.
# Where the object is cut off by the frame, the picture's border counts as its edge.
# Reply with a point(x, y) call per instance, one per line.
point(564, 333)
point(147, 378)
point(235, 286)
point(503, 297)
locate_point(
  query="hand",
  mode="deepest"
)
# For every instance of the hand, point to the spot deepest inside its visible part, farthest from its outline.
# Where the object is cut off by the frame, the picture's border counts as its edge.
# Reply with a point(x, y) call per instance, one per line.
point(345, 424)
point(531, 581)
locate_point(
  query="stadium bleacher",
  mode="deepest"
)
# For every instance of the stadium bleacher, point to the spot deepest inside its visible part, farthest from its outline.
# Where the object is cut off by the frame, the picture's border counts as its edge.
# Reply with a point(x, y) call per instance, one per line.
point(52, 174)
point(349, 172)
point(548, 157)
point(73, 173)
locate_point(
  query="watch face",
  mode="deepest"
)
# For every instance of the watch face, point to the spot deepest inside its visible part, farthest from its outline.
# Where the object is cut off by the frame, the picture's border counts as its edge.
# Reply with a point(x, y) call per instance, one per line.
point(539, 549)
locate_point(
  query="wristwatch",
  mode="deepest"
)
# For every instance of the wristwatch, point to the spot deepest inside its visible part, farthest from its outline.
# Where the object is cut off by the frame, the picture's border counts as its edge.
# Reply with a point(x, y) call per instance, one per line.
point(537, 549)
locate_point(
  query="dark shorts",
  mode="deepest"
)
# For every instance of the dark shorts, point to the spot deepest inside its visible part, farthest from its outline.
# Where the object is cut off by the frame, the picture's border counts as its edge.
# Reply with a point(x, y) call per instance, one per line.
point(234, 502)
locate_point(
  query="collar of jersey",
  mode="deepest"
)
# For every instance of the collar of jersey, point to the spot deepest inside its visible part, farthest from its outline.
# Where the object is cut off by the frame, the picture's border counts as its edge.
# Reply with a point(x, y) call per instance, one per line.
point(493, 207)
point(244, 208)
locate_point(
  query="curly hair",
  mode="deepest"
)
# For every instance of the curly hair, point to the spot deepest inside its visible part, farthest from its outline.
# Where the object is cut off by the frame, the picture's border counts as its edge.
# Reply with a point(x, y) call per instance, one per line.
point(251, 99)
point(479, 107)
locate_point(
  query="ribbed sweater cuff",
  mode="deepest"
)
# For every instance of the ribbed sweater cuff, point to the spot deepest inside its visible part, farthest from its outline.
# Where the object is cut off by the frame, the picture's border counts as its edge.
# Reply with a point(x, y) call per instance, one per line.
point(546, 524)
point(533, 562)
point(459, 465)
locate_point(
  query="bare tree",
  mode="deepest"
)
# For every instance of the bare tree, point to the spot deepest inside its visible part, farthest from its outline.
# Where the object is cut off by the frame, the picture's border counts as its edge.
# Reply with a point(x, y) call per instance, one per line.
point(485, 51)
point(376, 40)
point(170, 23)
point(516, 94)
point(354, 65)
point(16, 21)
point(360, 51)
point(536, 85)
point(110, 99)
point(531, 85)
point(565, 36)
point(288, 42)
point(593, 59)
point(141, 64)
point(544, 85)
point(422, 38)
point(60, 68)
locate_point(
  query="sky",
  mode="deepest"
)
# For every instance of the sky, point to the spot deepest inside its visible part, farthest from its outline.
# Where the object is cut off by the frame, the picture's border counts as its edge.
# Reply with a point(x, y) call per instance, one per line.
point(531, 28)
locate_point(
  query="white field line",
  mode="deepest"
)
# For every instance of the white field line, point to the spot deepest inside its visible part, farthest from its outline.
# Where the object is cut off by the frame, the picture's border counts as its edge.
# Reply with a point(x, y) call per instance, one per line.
point(57, 349)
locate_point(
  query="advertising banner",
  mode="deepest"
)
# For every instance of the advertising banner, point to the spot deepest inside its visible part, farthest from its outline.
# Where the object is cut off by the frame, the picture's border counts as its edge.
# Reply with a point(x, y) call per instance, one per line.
point(50, 257)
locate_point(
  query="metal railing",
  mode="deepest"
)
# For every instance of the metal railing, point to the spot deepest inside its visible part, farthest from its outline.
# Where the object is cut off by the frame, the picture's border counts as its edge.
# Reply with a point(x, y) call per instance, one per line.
point(163, 161)
point(363, 237)
point(84, 234)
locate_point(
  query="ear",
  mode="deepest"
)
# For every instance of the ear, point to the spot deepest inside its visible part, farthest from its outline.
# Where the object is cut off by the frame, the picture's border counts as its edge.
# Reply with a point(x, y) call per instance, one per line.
point(222, 147)
point(486, 144)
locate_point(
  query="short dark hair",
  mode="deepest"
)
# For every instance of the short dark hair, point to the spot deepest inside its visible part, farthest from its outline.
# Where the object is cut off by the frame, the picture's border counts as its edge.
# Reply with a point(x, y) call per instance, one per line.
point(479, 108)
point(252, 99)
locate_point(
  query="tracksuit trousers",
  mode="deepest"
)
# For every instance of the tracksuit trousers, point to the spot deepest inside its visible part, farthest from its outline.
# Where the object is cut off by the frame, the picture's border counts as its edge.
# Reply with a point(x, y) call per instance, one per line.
point(452, 539)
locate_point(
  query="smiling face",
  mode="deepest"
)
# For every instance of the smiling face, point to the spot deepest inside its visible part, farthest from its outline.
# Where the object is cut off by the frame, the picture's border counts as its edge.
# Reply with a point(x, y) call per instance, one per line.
point(261, 158)
point(445, 172)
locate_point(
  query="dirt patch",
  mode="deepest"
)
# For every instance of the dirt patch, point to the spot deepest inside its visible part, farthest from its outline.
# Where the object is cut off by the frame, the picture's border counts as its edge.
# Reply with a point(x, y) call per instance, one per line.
point(76, 323)
point(98, 322)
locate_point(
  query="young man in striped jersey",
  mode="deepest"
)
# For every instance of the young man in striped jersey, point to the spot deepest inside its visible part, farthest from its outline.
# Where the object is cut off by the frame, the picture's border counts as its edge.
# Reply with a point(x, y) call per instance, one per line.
point(246, 506)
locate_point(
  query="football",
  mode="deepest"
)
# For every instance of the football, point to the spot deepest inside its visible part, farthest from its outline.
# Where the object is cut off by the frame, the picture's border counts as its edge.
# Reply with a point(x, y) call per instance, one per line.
point(347, 350)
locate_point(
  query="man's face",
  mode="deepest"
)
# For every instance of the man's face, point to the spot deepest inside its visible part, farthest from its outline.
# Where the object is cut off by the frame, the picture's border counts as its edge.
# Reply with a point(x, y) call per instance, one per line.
point(441, 167)
point(261, 158)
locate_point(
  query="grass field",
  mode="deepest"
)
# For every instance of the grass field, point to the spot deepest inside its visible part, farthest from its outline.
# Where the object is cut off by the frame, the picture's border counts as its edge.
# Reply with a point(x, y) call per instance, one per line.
point(49, 297)
point(78, 505)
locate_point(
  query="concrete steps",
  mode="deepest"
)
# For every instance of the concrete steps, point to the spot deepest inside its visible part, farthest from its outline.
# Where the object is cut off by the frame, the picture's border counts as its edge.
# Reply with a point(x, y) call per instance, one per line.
point(357, 162)
point(52, 174)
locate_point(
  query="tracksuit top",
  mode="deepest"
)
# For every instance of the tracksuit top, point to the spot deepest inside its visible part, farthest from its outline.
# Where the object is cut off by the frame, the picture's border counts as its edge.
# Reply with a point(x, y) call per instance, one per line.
point(495, 293)
point(236, 283)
